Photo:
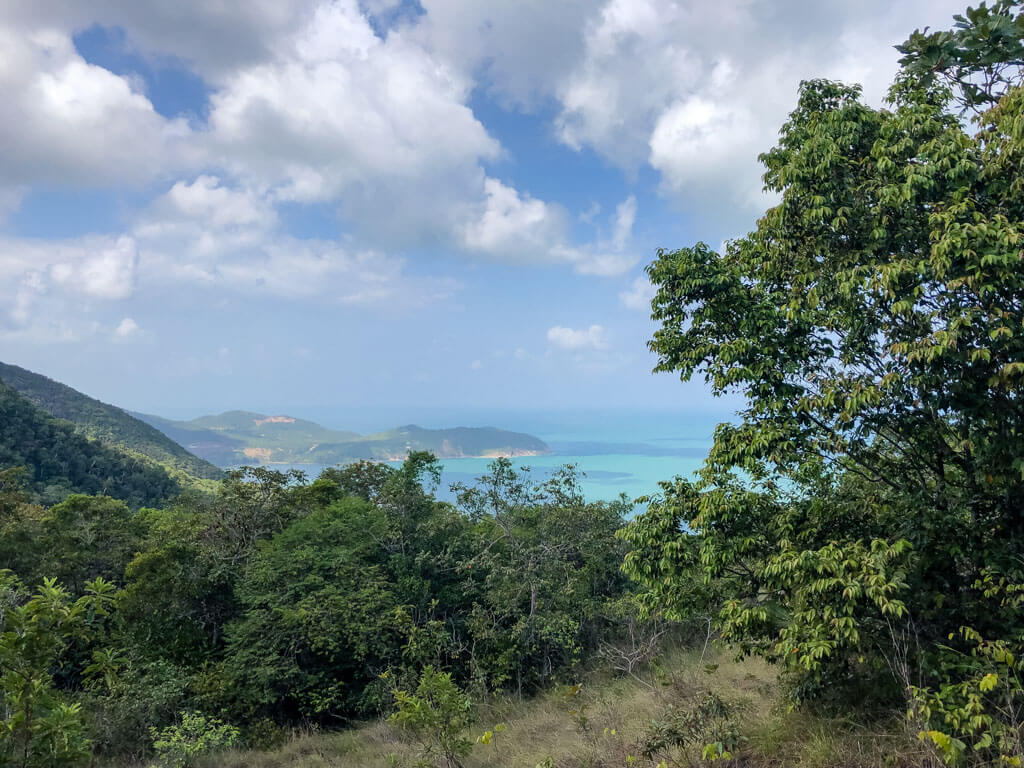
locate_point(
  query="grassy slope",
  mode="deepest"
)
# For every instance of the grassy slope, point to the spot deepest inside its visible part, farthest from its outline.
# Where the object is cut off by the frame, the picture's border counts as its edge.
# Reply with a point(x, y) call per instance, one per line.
point(543, 728)
point(106, 423)
point(239, 437)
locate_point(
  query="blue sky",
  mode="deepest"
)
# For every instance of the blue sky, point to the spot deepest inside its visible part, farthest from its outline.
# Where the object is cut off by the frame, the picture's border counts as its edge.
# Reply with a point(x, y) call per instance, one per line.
point(444, 206)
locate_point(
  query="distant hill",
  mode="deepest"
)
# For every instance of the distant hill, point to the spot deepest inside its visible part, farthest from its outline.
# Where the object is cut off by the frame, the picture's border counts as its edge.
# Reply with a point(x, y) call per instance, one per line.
point(106, 423)
point(59, 460)
point(242, 437)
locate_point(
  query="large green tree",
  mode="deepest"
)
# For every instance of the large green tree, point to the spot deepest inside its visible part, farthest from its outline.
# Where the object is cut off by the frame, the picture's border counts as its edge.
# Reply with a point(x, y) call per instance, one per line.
point(869, 499)
point(548, 561)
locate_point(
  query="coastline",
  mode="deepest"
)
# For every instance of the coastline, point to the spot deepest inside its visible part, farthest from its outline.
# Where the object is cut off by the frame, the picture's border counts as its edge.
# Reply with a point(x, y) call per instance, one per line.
point(393, 457)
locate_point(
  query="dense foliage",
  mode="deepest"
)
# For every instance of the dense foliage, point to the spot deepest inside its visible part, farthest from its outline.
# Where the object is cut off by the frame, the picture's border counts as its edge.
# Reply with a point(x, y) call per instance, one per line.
point(281, 601)
point(863, 522)
point(60, 461)
point(106, 423)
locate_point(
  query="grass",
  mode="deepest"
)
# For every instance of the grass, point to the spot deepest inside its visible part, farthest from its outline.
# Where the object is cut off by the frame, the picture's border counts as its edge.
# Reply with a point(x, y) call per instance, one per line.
point(605, 724)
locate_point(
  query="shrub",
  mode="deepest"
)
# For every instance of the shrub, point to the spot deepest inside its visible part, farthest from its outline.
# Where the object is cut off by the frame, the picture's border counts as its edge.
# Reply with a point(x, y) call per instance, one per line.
point(438, 714)
point(178, 746)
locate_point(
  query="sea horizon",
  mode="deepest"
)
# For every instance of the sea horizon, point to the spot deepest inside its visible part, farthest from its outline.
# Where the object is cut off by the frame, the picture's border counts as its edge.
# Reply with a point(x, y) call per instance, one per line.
point(621, 451)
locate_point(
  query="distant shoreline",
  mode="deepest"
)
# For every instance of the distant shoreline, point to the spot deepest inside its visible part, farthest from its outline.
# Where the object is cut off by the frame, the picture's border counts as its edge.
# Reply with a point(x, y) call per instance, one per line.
point(396, 457)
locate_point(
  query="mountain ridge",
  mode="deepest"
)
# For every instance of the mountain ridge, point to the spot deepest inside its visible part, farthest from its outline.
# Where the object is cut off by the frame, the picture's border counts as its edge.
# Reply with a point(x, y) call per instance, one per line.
point(108, 424)
point(58, 460)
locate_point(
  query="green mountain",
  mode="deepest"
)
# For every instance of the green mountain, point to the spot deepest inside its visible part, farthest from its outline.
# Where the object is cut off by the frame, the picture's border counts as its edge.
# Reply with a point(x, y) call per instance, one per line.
point(242, 437)
point(58, 460)
point(108, 424)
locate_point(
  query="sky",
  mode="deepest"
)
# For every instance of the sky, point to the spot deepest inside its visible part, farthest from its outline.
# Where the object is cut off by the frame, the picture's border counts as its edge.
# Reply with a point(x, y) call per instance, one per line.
point(287, 206)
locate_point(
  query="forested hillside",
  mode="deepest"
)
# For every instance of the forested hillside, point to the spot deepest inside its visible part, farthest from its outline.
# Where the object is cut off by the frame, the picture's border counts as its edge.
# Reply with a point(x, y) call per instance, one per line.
point(59, 461)
point(106, 423)
point(282, 602)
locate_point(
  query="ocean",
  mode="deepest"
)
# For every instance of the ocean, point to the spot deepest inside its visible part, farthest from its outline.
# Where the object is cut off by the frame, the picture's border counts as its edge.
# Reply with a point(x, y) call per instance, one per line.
point(616, 452)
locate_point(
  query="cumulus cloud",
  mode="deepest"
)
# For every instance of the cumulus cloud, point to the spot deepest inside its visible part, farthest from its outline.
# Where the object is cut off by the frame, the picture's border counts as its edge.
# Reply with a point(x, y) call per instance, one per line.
point(515, 50)
point(101, 270)
point(572, 339)
point(697, 90)
point(639, 294)
point(517, 227)
point(309, 104)
point(694, 90)
point(96, 267)
point(46, 285)
point(70, 121)
point(201, 233)
point(314, 102)
point(629, 68)
point(339, 113)
point(209, 233)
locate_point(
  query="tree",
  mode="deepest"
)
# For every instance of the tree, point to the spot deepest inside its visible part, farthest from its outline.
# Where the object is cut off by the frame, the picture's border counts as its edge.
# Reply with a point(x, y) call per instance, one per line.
point(873, 323)
point(317, 623)
point(548, 560)
point(253, 503)
point(980, 59)
point(85, 537)
point(178, 593)
point(39, 726)
point(438, 713)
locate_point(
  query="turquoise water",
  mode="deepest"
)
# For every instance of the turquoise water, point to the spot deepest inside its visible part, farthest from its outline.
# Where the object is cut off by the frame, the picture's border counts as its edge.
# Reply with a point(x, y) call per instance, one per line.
point(616, 452)
point(604, 477)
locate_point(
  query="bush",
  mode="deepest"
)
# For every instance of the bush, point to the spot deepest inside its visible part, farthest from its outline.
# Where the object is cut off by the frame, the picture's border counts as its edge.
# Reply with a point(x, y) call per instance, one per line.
point(438, 714)
point(178, 746)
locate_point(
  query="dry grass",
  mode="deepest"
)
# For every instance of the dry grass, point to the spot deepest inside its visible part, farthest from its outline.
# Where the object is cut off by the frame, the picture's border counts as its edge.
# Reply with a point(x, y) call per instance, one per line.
point(611, 718)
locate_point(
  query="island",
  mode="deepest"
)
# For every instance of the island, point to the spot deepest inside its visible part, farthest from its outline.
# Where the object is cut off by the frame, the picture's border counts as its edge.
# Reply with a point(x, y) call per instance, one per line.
point(244, 437)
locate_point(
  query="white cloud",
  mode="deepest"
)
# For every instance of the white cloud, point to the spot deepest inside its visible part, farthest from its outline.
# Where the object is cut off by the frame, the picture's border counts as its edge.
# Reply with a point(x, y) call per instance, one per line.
point(520, 228)
point(625, 217)
point(515, 49)
point(48, 287)
point(337, 112)
point(639, 294)
point(476, 365)
point(693, 90)
point(127, 329)
point(515, 226)
point(630, 67)
point(64, 120)
point(208, 233)
point(95, 267)
point(30, 287)
point(311, 103)
point(594, 337)
point(103, 271)
point(219, 206)
point(200, 233)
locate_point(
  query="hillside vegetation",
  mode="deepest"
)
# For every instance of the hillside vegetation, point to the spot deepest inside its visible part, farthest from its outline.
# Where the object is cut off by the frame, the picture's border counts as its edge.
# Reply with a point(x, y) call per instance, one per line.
point(59, 461)
point(283, 602)
point(106, 423)
point(665, 716)
point(242, 437)
point(856, 536)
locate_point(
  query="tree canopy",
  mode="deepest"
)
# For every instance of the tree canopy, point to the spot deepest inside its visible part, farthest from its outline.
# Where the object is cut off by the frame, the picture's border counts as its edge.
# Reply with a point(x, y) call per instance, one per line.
point(868, 503)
